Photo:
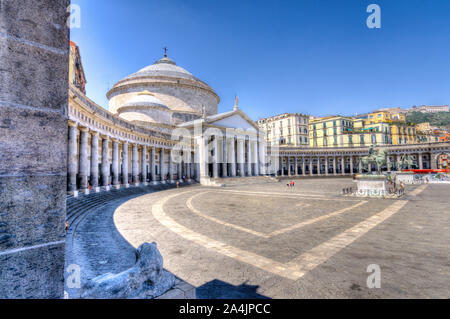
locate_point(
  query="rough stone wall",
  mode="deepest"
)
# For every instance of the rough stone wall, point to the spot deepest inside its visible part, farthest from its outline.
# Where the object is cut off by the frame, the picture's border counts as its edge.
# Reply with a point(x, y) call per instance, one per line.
point(34, 60)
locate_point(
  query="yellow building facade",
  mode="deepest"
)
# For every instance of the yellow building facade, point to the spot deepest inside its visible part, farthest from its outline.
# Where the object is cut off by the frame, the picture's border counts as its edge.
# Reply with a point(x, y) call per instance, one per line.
point(378, 128)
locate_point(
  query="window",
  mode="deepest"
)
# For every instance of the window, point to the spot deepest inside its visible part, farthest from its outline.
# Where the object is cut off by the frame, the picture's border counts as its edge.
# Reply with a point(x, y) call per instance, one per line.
point(374, 139)
point(361, 139)
point(325, 141)
point(350, 139)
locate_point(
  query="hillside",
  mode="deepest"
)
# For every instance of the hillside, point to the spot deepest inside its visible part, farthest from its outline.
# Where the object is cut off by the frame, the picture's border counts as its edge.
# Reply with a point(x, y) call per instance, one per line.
point(435, 119)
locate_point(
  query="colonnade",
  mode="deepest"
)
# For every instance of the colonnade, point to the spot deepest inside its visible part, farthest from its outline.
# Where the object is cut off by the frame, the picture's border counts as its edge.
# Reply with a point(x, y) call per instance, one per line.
point(120, 162)
point(326, 165)
point(219, 156)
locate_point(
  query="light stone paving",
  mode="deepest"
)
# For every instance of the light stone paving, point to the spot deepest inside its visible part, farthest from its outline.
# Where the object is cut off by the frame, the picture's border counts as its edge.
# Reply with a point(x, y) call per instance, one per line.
point(323, 256)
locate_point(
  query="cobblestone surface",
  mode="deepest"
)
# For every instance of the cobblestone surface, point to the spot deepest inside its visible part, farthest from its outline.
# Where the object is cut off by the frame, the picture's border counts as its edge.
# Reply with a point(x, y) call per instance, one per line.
point(266, 240)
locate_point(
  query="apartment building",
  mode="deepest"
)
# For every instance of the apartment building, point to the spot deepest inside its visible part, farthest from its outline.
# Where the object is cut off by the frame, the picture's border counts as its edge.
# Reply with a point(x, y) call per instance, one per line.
point(289, 129)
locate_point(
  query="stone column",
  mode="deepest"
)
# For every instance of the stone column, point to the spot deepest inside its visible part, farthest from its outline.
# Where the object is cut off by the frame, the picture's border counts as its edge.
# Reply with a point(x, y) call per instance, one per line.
point(144, 164)
point(334, 165)
point(188, 160)
point(319, 166)
point(262, 158)
point(303, 166)
point(360, 169)
point(171, 168)
point(327, 165)
point(388, 163)
point(83, 169)
point(351, 165)
point(224, 156)
point(249, 157)
point(255, 158)
point(296, 166)
point(241, 157)
point(215, 145)
point(311, 167)
point(135, 164)
point(125, 164)
point(420, 159)
point(94, 160)
point(397, 163)
point(72, 167)
point(232, 157)
point(288, 163)
point(152, 166)
point(105, 162)
point(180, 170)
point(343, 165)
point(162, 159)
point(34, 88)
point(115, 163)
point(203, 157)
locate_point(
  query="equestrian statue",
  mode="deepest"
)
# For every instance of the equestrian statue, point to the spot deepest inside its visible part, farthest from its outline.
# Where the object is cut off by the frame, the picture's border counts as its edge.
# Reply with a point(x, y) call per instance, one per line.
point(377, 157)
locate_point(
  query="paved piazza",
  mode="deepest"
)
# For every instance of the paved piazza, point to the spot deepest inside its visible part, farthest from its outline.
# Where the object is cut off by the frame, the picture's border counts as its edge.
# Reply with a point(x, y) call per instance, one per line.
point(266, 240)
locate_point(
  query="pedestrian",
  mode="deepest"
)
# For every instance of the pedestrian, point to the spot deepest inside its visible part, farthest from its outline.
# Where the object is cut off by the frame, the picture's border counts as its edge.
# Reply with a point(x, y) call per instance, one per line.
point(67, 225)
point(293, 183)
point(178, 184)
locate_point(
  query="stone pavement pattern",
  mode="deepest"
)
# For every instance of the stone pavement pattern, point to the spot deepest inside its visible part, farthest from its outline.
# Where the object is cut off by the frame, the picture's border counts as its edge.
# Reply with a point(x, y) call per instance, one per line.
point(265, 240)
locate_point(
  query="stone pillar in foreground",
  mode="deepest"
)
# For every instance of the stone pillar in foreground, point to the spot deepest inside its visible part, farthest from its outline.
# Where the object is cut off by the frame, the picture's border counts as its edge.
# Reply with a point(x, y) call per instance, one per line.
point(343, 165)
point(94, 159)
point(34, 62)
point(72, 164)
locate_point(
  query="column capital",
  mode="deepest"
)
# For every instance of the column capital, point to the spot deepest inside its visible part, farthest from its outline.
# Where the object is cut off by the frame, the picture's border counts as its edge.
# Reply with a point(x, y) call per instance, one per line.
point(72, 123)
point(94, 133)
point(83, 129)
point(104, 137)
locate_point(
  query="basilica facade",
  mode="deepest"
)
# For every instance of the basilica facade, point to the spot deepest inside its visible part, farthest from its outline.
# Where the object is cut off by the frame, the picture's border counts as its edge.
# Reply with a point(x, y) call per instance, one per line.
point(162, 126)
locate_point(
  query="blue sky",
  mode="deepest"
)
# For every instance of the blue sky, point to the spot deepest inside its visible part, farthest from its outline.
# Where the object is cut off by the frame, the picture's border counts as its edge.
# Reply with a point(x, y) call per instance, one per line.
point(316, 57)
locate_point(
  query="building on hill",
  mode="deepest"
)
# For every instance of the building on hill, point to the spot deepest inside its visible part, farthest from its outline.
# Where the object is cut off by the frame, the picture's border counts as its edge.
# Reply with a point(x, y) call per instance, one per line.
point(429, 109)
point(76, 71)
point(286, 129)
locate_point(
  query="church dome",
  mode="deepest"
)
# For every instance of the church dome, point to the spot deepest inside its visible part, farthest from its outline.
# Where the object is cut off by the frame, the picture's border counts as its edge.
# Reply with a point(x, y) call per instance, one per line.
point(164, 67)
point(171, 87)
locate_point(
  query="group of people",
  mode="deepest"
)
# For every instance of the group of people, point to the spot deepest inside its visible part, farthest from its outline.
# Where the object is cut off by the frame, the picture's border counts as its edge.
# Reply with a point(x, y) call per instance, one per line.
point(291, 184)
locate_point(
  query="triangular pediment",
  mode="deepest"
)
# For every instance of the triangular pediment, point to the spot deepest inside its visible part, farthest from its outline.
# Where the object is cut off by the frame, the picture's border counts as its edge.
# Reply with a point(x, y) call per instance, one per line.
point(237, 120)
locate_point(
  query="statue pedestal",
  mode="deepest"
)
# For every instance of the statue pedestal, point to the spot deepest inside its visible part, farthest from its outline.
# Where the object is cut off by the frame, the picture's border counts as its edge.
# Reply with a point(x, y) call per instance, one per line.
point(371, 186)
point(406, 178)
